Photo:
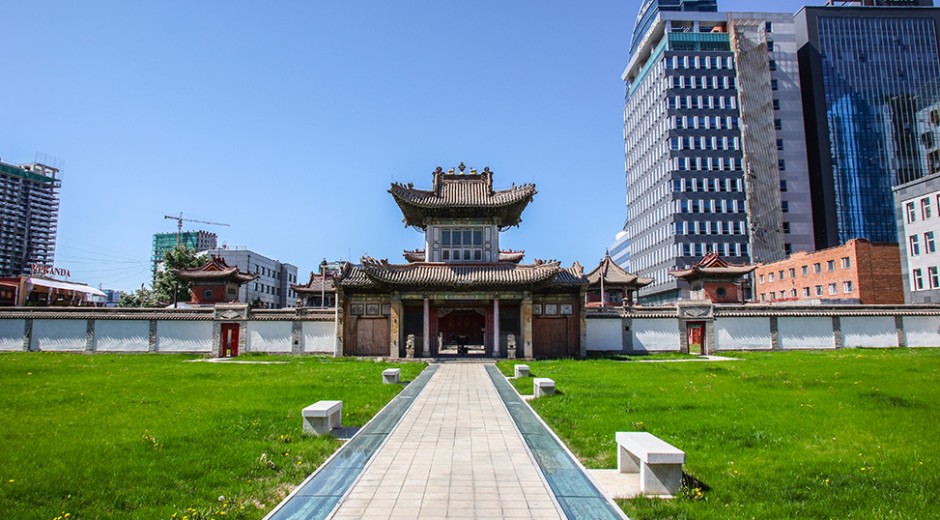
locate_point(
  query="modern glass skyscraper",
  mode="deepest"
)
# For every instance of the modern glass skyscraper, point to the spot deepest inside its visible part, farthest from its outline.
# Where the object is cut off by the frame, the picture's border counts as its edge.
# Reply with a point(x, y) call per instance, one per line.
point(714, 142)
point(861, 69)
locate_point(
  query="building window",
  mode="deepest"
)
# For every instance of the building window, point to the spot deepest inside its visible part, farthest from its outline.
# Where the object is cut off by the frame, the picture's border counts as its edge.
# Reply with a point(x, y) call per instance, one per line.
point(805, 270)
point(832, 289)
point(846, 262)
point(847, 286)
point(792, 273)
point(462, 244)
point(778, 124)
point(783, 185)
point(770, 46)
point(915, 245)
point(769, 26)
point(773, 84)
point(792, 293)
point(918, 280)
point(761, 278)
point(831, 265)
point(817, 268)
point(763, 297)
point(776, 104)
point(819, 290)
point(773, 64)
point(929, 246)
point(933, 278)
point(925, 208)
point(780, 275)
point(779, 145)
point(806, 292)
point(911, 215)
point(786, 228)
point(770, 277)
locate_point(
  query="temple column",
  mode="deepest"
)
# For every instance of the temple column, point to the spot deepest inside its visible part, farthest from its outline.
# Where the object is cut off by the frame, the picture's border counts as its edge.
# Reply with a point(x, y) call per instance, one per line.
point(426, 344)
point(527, 326)
point(496, 326)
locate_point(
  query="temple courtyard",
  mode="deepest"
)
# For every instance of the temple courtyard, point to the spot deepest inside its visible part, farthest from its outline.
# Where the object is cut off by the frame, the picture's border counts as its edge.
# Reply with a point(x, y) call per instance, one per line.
point(838, 434)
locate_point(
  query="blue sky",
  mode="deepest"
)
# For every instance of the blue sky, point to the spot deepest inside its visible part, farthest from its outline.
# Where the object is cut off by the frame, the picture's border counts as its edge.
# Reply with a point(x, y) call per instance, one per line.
point(288, 120)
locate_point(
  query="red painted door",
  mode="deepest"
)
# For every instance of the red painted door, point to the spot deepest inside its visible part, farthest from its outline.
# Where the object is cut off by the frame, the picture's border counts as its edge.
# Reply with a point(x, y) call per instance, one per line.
point(696, 333)
point(229, 346)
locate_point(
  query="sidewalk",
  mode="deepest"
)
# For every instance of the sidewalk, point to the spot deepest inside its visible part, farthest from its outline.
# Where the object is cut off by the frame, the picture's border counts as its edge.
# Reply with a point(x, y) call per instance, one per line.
point(455, 454)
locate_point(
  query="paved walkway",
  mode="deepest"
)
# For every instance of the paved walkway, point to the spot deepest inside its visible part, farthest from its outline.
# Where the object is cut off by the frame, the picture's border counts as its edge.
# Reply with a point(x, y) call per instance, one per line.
point(455, 454)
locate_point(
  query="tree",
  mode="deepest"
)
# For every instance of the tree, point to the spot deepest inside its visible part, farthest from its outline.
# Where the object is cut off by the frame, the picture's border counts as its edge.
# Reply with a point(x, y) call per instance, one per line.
point(168, 287)
point(142, 297)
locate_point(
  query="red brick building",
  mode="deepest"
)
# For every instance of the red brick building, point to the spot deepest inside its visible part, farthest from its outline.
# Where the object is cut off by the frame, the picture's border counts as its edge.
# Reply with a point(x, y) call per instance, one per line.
point(856, 272)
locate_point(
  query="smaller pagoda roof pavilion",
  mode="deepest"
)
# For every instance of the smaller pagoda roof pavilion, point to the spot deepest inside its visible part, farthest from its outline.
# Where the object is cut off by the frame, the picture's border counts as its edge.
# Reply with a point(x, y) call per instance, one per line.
point(214, 271)
point(455, 195)
point(714, 279)
point(713, 267)
point(607, 277)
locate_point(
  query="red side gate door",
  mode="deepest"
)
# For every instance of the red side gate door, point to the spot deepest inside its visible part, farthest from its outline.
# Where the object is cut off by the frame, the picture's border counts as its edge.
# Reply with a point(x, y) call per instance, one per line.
point(229, 346)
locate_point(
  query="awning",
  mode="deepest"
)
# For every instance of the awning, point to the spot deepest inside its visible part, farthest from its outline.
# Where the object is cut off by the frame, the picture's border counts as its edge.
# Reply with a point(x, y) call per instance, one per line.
point(10, 284)
point(55, 284)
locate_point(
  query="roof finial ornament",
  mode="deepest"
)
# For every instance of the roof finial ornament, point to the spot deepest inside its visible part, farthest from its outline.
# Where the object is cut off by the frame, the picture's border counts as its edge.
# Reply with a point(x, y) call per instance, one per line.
point(461, 167)
point(439, 170)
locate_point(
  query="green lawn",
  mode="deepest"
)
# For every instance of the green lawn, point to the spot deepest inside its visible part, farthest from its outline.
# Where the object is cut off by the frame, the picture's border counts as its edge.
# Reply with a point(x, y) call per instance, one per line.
point(150, 436)
point(842, 434)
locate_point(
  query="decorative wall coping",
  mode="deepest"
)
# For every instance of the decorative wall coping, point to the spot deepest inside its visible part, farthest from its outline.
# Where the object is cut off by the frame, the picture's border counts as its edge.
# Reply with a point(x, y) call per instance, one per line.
point(764, 310)
point(221, 312)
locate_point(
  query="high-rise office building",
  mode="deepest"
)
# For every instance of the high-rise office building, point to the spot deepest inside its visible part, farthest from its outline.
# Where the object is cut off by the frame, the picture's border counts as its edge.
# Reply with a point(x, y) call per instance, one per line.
point(862, 69)
point(714, 141)
point(29, 216)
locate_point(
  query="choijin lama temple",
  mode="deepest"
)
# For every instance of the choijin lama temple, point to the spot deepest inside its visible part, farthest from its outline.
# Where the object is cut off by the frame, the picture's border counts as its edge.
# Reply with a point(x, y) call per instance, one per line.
point(462, 293)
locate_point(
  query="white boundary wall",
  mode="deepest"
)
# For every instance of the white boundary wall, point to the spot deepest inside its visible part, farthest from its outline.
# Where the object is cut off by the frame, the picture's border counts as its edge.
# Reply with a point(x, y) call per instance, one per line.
point(11, 334)
point(122, 336)
point(269, 336)
point(922, 331)
point(655, 334)
point(319, 336)
point(743, 334)
point(59, 335)
point(869, 331)
point(184, 336)
point(805, 333)
point(604, 334)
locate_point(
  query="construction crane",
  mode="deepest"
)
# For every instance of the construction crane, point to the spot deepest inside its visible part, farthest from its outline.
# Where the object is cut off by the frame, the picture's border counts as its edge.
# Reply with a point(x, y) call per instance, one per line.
point(179, 224)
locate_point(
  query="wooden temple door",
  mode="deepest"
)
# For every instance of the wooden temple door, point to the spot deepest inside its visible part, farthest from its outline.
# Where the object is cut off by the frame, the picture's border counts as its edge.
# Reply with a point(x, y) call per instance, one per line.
point(229, 340)
point(372, 337)
point(462, 328)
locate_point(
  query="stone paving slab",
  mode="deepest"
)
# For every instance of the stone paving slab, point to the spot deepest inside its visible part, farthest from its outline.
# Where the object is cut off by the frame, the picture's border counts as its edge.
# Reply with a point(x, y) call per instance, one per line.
point(455, 454)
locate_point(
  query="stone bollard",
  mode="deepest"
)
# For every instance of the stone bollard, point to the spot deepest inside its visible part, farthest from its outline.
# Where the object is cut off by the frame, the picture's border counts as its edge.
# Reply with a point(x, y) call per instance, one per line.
point(521, 370)
point(391, 376)
point(511, 346)
point(410, 346)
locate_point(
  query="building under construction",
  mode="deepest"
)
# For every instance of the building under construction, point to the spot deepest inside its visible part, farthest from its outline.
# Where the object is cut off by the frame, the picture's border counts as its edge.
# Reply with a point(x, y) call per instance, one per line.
point(29, 216)
point(196, 240)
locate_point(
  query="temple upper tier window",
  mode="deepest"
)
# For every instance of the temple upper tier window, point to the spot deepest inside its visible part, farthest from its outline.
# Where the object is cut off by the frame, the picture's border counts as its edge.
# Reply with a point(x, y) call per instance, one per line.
point(462, 244)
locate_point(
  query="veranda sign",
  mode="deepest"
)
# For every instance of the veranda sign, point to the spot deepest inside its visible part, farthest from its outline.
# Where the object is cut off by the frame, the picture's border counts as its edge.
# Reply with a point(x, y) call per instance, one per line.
point(37, 269)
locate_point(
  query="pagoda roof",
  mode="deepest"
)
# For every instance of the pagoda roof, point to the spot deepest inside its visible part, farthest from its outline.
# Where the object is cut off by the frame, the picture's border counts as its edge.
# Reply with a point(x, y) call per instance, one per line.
point(712, 265)
point(418, 255)
point(215, 270)
point(467, 276)
point(614, 275)
point(462, 195)
point(316, 285)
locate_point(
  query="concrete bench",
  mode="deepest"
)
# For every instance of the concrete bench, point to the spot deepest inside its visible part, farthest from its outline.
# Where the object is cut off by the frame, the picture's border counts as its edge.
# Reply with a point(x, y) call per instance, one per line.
point(322, 416)
point(521, 370)
point(543, 386)
point(391, 376)
point(658, 462)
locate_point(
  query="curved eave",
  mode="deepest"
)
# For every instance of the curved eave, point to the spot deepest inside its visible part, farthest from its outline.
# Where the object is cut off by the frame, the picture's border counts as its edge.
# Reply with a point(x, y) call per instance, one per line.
point(461, 276)
point(506, 206)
